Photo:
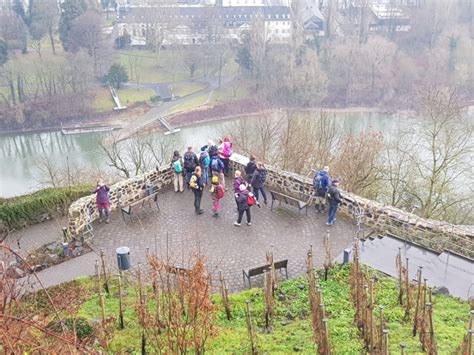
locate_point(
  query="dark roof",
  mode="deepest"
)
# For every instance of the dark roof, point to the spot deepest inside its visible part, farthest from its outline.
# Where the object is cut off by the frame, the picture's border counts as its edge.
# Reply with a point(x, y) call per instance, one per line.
point(234, 13)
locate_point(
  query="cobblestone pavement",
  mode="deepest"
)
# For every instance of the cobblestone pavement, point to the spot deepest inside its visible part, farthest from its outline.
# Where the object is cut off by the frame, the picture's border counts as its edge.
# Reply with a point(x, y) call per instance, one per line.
point(177, 233)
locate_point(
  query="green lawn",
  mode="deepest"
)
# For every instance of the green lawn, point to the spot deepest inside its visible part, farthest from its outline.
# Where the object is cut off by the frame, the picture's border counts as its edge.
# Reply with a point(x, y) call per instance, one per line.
point(184, 89)
point(227, 93)
point(103, 101)
point(190, 104)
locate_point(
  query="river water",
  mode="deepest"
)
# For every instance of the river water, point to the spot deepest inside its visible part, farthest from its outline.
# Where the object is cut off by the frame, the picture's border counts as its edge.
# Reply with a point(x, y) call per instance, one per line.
point(20, 153)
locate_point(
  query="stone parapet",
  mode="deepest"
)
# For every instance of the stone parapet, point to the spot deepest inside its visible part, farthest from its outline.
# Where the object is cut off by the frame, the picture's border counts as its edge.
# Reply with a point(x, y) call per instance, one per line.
point(122, 193)
point(432, 234)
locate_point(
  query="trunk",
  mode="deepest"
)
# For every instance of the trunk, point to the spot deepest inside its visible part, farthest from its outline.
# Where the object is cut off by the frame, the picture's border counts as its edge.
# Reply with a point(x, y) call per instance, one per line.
point(51, 38)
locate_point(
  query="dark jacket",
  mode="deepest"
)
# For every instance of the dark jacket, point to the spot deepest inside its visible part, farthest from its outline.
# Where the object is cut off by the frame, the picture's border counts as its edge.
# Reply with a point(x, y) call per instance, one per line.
point(321, 183)
point(242, 200)
point(333, 196)
point(258, 178)
point(190, 161)
point(250, 169)
point(220, 164)
point(199, 182)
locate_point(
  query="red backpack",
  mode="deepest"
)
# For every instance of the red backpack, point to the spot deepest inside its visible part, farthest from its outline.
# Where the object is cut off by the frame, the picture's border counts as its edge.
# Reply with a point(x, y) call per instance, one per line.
point(220, 191)
point(251, 200)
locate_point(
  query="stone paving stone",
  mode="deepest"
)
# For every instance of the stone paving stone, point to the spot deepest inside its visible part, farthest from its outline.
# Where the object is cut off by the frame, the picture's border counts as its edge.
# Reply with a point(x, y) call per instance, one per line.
point(175, 232)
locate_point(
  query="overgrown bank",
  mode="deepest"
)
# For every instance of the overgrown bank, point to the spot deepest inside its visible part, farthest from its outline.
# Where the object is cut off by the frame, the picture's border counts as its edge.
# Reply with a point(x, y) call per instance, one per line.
point(24, 210)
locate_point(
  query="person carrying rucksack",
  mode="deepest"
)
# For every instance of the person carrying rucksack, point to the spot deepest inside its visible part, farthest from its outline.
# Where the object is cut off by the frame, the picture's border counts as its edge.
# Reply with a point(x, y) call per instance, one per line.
point(334, 200)
point(190, 162)
point(217, 193)
point(196, 185)
point(245, 200)
point(225, 152)
point(211, 148)
point(258, 180)
point(250, 168)
point(204, 161)
point(320, 185)
point(217, 168)
point(177, 168)
point(103, 202)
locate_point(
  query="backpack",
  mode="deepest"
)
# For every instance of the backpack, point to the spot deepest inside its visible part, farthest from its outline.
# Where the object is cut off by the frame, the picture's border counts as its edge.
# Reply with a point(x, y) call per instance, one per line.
point(177, 167)
point(318, 181)
point(193, 182)
point(204, 158)
point(263, 175)
point(220, 191)
point(189, 161)
point(227, 151)
point(251, 200)
point(215, 165)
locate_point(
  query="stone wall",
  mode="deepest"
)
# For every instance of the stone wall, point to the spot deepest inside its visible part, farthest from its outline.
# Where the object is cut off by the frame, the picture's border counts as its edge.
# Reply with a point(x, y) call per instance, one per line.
point(123, 192)
point(435, 235)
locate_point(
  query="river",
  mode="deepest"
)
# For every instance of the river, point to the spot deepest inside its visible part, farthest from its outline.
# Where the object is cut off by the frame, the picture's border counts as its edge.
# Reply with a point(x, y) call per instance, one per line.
point(21, 152)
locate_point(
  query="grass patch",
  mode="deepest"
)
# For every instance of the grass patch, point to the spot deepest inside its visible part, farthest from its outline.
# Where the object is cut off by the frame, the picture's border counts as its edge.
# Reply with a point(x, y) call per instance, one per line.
point(189, 104)
point(226, 93)
point(103, 100)
point(131, 95)
point(184, 89)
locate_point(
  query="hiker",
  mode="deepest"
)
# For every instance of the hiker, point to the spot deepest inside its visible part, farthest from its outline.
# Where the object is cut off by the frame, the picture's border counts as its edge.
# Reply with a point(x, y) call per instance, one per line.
point(258, 179)
point(320, 185)
point(196, 184)
point(334, 199)
point(190, 163)
point(245, 200)
point(225, 152)
point(217, 168)
point(238, 180)
point(217, 193)
point(211, 148)
point(204, 161)
point(103, 203)
point(177, 168)
point(251, 167)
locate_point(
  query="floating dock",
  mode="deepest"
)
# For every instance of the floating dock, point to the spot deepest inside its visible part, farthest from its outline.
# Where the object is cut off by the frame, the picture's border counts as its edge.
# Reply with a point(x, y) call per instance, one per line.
point(168, 126)
point(88, 129)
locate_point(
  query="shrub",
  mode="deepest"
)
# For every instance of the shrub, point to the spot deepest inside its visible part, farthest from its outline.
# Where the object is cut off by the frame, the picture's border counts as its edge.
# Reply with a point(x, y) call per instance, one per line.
point(29, 209)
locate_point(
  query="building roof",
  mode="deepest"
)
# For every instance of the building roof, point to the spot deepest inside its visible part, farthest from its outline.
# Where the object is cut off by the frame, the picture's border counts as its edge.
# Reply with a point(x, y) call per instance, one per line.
point(197, 14)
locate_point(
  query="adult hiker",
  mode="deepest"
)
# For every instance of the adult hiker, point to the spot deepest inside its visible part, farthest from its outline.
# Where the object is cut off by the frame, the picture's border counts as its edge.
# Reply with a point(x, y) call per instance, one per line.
point(217, 168)
point(251, 167)
point(204, 161)
point(225, 152)
point(334, 199)
point(320, 185)
point(103, 203)
point(197, 186)
point(190, 162)
point(258, 179)
point(238, 180)
point(245, 200)
point(211, 148)
point(177, 168)
point(217, 193)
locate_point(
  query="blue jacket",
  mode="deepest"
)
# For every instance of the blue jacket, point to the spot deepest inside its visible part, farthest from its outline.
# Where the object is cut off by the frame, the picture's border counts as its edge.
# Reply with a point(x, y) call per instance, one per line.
point(321, 183)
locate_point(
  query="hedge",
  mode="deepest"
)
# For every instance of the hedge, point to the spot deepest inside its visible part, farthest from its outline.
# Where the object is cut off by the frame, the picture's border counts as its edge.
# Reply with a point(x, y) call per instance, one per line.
point(29, 209)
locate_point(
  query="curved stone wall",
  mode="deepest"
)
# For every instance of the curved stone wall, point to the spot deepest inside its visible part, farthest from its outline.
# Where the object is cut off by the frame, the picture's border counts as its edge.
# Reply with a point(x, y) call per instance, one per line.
point(435, 235)
point(123, 192)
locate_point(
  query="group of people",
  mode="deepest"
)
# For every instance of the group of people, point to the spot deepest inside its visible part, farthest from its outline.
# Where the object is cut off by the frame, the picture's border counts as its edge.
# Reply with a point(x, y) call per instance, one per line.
point(209, 169)
point(326, 192)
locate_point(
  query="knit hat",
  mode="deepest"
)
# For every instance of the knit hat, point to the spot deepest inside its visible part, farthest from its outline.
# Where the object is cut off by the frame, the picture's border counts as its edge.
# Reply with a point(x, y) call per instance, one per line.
point(215, 179)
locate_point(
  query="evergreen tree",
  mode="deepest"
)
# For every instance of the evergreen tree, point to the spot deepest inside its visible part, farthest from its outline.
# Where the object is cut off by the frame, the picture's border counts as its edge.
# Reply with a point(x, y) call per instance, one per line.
point(19, 9)
point(70, 10)
point(116, 76)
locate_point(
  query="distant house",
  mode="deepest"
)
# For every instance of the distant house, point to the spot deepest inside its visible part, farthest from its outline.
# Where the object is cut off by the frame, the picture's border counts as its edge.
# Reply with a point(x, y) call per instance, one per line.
point(199, 24)
point(314, 23)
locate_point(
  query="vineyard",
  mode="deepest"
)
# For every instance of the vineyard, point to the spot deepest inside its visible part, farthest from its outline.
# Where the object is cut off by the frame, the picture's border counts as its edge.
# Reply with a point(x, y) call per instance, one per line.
point(158, 308)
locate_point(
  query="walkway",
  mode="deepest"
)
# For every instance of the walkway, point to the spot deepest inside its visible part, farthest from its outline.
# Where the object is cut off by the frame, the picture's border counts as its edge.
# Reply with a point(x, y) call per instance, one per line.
point(176, 232)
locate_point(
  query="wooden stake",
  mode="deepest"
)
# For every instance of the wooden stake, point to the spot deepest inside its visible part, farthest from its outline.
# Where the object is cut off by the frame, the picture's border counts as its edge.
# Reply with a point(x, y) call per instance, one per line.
point(418, 296)
point(400, 276)
point(248, 319)
point(225, 297)
point(102, 306)
point(407, 281)
point(122, 325)
point(104, 271)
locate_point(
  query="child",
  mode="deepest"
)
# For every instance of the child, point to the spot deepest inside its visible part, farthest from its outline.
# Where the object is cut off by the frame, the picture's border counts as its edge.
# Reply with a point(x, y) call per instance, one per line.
point(217, 192)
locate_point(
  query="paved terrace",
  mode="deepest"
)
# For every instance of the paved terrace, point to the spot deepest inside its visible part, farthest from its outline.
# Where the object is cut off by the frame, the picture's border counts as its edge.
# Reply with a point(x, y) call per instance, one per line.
point(175, 231)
